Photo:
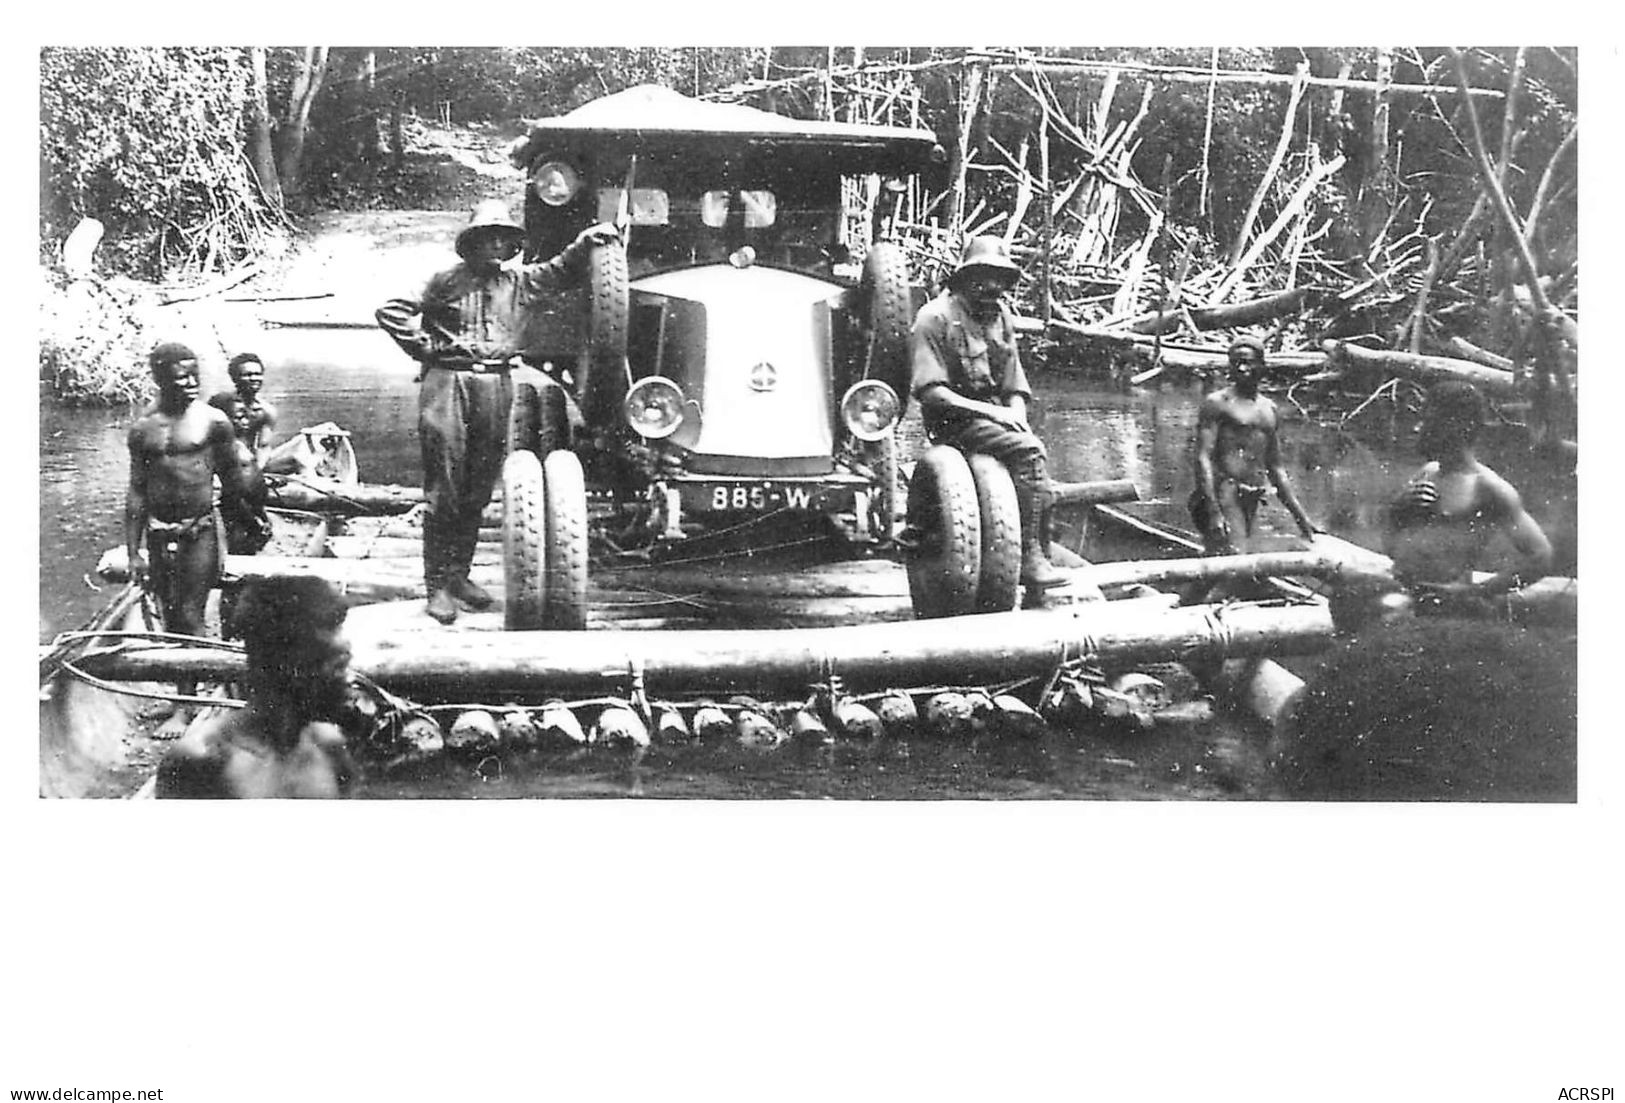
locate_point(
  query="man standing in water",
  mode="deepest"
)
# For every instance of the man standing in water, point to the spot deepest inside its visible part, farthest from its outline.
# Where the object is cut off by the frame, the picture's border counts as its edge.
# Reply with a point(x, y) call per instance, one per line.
point(1237, 448)
point(248, 527)
point(1444, 519)
point(974, 393)
point(248, 376)
point(465, 329)
point(286, 742)
point(176, 449)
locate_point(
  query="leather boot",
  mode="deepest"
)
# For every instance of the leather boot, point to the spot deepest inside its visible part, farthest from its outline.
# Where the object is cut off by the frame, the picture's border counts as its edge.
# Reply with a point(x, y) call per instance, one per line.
point(1036, 569)
point(441, 606)
point(460, 560)
point(1037, 572)
point(471, 594)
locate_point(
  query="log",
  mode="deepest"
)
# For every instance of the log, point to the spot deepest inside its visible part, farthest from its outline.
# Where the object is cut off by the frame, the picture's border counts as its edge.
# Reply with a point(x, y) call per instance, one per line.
point(1093, 493)
point(1185, 356)
point(1257, 566)
point(1074, 67)
point(367, 498)
point(1252, 312)
point(1262, 688)
point(1426, 369)
point(986, 648)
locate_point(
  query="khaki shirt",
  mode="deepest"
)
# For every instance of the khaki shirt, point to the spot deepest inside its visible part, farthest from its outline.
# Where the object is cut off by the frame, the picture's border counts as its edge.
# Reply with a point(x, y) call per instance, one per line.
point(950, 347)
point(461, 313)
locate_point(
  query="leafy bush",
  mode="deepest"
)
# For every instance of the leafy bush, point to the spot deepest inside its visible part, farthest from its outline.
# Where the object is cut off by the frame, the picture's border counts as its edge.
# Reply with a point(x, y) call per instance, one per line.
point(149, 140)
point(94, 338)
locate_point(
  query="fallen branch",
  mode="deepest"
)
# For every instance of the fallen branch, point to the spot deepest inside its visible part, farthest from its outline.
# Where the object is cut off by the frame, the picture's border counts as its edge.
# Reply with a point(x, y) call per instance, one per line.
point(1466, 350)
point(1288, 213)
point(1274, 166)
point(1492, 381)
point(1248, 313)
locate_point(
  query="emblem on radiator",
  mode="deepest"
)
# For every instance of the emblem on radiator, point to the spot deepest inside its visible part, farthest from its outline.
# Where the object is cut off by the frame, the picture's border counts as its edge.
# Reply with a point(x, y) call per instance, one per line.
point(764, 377)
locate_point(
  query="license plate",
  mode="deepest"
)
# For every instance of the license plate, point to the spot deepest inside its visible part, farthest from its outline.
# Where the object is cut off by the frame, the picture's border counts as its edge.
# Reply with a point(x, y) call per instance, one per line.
point(746, 497)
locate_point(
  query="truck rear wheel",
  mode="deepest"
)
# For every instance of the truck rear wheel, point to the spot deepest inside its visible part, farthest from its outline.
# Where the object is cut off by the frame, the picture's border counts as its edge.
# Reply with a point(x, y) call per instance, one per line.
point(999, 580)
point(944, 571)
point(567, 542)
point(524, 542)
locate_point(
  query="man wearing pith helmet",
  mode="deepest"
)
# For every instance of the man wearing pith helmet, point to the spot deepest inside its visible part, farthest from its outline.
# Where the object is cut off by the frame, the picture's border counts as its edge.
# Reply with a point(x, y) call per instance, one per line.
point(973, 392)
point(466, 329)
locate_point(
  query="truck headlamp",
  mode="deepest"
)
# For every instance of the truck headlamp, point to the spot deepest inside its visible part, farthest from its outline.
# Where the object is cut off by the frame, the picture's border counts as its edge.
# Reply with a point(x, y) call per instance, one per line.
point(555, 183)
point(654, 407)
point(870, 409)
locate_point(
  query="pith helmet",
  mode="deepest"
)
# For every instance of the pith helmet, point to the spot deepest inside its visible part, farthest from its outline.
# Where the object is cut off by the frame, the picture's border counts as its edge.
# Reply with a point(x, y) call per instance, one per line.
point(987, 253)
point(491, 216)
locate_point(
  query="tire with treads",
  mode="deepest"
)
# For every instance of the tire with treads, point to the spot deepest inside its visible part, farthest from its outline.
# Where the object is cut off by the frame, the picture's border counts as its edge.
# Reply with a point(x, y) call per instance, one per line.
point(601, 372)
point(998, 586)
point(524, 542)
point(539, 421)
point(888, 314)
point(567, 542)
point(944, 571)
point(888, 493)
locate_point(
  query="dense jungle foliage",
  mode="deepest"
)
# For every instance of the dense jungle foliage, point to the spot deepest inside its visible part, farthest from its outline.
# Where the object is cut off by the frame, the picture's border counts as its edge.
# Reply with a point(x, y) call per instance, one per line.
point(198, 160)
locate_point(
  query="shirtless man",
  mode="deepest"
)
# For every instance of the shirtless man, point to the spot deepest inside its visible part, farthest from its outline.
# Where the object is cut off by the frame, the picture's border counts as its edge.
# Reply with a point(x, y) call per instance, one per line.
point(242, 508)
point(176, 449)
point(1237, 447)
point(248, 376)
point(1442, 521)
point(286, 742)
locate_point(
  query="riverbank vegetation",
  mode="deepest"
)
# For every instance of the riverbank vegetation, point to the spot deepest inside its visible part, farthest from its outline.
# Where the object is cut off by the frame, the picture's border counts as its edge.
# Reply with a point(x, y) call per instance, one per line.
point(1419, 203)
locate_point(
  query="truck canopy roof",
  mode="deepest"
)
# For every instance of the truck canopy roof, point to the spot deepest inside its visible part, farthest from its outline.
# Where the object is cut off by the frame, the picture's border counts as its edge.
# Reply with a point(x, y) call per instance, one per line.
point(649, 116)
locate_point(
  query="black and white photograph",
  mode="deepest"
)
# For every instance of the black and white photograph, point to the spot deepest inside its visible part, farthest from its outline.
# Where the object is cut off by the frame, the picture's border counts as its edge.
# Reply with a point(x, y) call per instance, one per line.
point(797, 423)
point(1004, 456)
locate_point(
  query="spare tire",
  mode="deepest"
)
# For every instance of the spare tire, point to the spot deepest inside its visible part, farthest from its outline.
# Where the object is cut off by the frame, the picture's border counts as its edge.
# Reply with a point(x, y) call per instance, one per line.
point(888, 314)
point(565, 489)
point(1000, 577)
point(944, 571)
point(601, 374)
point(524, 543)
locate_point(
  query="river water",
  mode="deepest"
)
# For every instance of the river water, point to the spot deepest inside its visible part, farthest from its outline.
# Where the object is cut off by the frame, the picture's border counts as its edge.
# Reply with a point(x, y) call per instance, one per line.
point(360, 380)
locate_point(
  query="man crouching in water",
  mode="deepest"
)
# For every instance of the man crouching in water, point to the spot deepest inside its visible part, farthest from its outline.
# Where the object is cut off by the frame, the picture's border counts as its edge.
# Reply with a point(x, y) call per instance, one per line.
point(286, 742)
point(1449, 511)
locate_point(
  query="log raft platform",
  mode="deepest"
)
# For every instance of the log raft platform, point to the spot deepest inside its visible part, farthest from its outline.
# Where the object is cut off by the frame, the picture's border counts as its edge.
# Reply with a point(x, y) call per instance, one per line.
point(741, 622)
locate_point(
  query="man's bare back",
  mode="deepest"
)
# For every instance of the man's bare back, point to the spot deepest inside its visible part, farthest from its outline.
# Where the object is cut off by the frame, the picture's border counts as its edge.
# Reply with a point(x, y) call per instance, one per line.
point(231, 758)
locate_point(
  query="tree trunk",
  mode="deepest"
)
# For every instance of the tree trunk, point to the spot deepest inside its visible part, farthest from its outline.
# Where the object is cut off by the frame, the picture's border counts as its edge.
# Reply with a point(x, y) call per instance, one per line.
point(369, 148)
point(261, 153)
point(1424, 369)
point(993, 647)
point(296, 121)
point(1377, 193)
point(970, 100)
point(1239, 248)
